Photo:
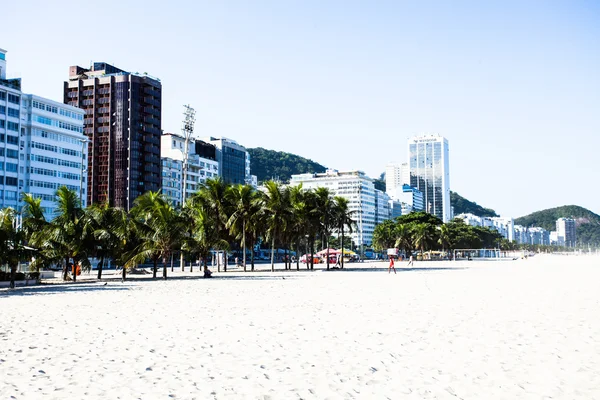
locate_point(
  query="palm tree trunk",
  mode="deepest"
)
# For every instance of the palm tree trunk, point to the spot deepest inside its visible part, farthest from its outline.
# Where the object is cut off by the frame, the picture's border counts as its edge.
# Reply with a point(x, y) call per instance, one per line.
point(225, 256)
point(252, 260)
point(172, 263)
point(273, 254)
point(312, 253)
point(327, 253)
point(155, 267)
point(123, 274)
point(13, 274)
point(286, 258)
point(74, 270)
point(342, 246)
point(244, 244)
point(164, 267)
point(66, 269)
point(100, 265)
point(298, 254)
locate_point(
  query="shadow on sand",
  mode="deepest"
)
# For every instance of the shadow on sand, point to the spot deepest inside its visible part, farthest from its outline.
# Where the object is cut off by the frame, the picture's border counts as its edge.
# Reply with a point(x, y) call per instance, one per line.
point(398, 269)
point(62, 288)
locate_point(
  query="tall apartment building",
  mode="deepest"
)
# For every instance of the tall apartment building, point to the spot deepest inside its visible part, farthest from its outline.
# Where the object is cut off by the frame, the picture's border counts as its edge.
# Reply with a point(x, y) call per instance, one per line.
point(383, 210)
point(42, 146)
point(430, 173)
point(202, 164)
point(123, 123)
point(233, 159)
point(565, 230)
point(396, 175)
point(358, 188)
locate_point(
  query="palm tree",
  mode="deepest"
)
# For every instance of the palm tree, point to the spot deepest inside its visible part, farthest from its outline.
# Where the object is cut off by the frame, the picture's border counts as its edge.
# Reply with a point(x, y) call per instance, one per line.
point(12, 242)
point(34, 223)
point(66, 234)
point(212, 194)
point(422, 236)
point(161, 228)
point(204, 235)
point(343, 219)
point(403, 236)
point(384, 235)
point(326, 211)
point(102, 220)
point(444, 236)
point(243, 199)
point(276, 205)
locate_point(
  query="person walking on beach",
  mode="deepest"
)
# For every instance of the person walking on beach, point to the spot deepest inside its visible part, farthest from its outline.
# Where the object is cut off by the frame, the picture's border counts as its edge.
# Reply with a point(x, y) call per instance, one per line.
point(391, 265)
point(410, 261)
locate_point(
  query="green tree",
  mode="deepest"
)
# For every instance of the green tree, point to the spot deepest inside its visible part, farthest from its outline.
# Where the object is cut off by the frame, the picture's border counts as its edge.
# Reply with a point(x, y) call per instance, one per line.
point(277, 206)
point(160, 225)
point(12, 243)
point(243, 198)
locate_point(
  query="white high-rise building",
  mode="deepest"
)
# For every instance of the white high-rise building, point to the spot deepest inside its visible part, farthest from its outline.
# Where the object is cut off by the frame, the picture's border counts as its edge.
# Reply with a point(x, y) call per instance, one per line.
point(430, 173)
point(369, 208)
point(565, 230)
point(42, 147)
point(396, 175)
point(202, 164)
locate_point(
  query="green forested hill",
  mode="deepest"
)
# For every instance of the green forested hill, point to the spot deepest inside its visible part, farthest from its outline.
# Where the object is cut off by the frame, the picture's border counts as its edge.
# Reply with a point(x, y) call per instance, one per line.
point(588, 223)
point(271, 164)
point(462, 205)
point(547, 218)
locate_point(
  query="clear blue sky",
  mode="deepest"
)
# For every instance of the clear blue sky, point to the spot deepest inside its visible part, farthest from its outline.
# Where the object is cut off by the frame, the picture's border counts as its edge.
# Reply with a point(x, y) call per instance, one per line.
point(513, 85)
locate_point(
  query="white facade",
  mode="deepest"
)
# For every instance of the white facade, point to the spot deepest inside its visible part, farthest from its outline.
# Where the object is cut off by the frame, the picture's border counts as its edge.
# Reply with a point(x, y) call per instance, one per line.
point(199, 169)
point(56, 149)
point(360, 192)
point(396, 175)
point(42, 147)
point(430, 173)
point(503, 225)
point(383, 211)
point(565, 230)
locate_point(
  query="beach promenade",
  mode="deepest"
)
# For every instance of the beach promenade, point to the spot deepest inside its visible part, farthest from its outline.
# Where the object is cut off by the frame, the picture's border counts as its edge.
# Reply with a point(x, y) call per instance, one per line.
point(524, 329)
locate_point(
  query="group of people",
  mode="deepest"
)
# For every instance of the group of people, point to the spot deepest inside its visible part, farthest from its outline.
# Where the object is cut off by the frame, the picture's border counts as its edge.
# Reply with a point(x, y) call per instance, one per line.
point(392, 267)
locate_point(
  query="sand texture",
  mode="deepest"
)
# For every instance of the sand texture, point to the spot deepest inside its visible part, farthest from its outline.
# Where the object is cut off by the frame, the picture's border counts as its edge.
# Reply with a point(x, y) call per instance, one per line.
point(464, 330)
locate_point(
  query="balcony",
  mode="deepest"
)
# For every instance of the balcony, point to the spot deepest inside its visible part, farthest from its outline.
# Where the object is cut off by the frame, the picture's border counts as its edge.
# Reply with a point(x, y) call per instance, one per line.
point(151, 120)
point(151, 100)
point(72, 95)
point(150, 110)
point(151, 91)
point(151, 130)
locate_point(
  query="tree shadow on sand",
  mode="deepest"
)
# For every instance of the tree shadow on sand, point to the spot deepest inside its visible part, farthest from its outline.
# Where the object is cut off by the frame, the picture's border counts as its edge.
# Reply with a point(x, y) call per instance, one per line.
point(41, 290)
point(398, 269)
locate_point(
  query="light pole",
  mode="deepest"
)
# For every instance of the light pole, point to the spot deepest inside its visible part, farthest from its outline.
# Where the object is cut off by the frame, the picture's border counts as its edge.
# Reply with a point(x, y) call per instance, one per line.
point(187, 128)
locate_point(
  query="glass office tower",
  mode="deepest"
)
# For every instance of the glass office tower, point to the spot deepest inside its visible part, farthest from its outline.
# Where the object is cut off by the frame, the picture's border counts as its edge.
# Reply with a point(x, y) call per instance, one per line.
point(429, 172)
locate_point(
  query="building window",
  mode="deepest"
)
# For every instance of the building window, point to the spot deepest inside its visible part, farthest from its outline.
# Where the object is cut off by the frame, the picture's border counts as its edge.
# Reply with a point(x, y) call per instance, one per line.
point(13, 112)
point(13, 98)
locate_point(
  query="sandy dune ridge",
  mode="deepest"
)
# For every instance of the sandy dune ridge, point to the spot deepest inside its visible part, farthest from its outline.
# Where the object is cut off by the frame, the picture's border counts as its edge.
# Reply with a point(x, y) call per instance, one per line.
point(445, 330)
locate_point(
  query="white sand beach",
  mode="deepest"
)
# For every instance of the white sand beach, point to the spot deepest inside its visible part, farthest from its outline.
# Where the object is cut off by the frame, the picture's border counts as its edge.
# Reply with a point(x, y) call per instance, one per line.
point(525, 329)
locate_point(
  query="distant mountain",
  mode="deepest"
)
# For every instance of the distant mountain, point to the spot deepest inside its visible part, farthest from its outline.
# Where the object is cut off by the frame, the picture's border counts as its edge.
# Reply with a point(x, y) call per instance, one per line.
point(547, 218)
point(463, 206)
point(271, 164)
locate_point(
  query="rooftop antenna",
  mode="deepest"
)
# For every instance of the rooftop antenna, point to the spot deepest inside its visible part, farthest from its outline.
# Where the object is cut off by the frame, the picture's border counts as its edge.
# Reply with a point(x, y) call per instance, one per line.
point(187, 129)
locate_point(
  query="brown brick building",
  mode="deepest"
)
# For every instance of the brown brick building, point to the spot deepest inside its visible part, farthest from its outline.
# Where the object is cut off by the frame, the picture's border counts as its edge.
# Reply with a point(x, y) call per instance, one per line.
point(123, 121)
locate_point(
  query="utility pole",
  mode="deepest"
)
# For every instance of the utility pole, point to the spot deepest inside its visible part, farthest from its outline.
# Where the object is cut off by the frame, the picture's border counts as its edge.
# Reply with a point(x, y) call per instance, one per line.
point(187, 129)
